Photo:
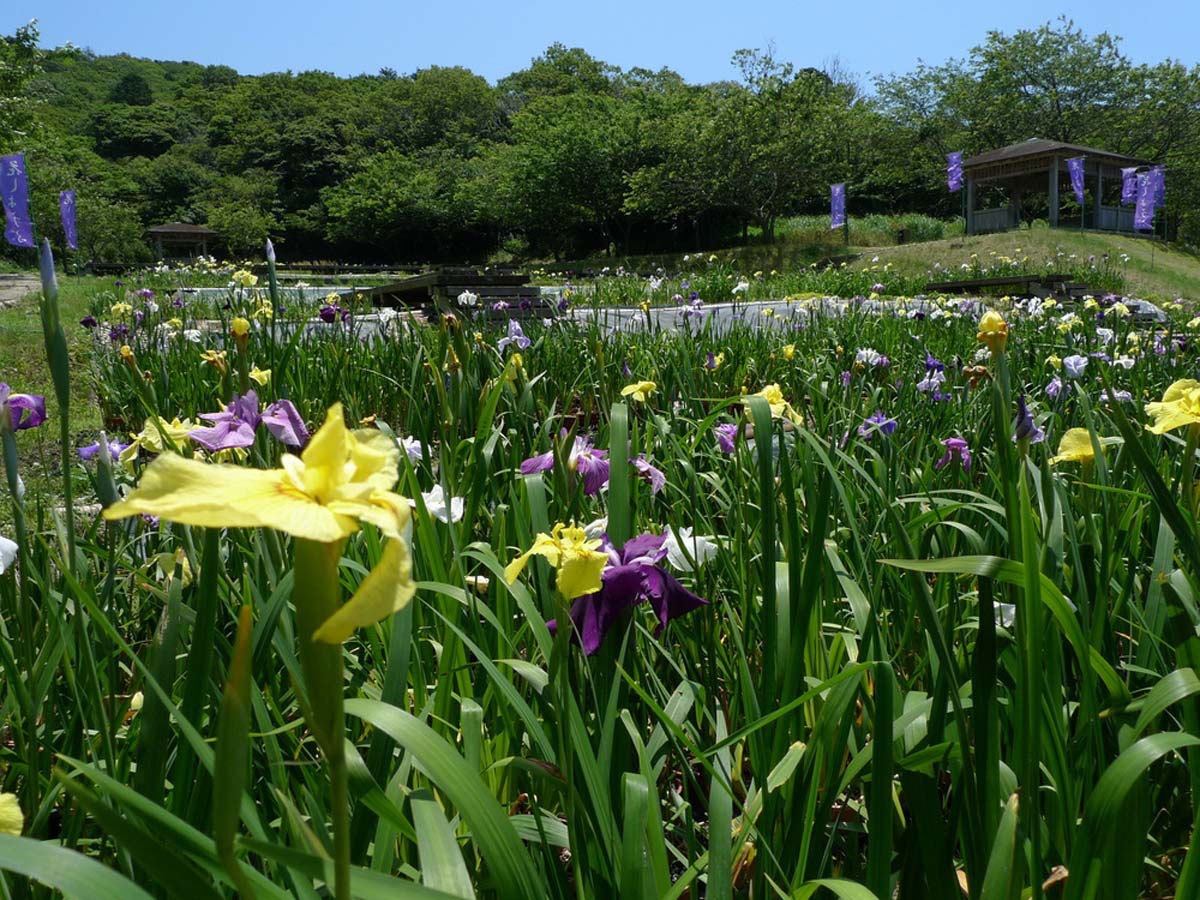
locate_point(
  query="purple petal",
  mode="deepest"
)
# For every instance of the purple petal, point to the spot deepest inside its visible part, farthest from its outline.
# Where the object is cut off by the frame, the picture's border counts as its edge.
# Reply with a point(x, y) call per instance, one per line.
point(649, 473)
point(594, 469)
point(283, 421)
point(543, 462)
point(223, 435)
point(28, 410)
point(669, 598)
point(648, 548)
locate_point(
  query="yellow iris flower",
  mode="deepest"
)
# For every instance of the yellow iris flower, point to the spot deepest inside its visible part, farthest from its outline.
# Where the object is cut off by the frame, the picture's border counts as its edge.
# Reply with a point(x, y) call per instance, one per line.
point(239, 327)
point(151, 437)
point(576, 560)
point(1075, 446)
point(12, 821)
point(342, 478)
point(1180, 406)
point(789, 351)
point(993, 331)
point(262, 376)
point(639, 390)
point(780, 408)
point(215, 358)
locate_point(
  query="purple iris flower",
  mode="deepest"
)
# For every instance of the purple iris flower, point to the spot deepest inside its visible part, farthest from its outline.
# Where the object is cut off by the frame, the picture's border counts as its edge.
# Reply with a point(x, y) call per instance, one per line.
point(634, 577)
point(89, 322)
point(93, 450)
point(932, 381)
point(328, 313)
point(956, 448)
point(876, 423)
point(591, 464)
point(846, 378)
point(649, 473)
point(726, 436)
point(710, 361)
point(1074, 365)
point(118, 333)
point(515, 336)
point(27, 410)
point(500, 305)
point(237, 424)
point(878, 288)
point(933, 364)
point(625, 370)
point(1025, 429)
point(1055, 387)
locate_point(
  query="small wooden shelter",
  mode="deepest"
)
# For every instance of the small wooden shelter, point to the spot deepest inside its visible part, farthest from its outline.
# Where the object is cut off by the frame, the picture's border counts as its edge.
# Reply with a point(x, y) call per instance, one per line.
point(1039, 165)
point(180, 240)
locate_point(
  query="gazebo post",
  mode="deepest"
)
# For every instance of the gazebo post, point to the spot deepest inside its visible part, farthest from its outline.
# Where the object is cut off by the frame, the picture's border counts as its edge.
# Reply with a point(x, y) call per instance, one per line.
point(1053, 198)
point(970, 204)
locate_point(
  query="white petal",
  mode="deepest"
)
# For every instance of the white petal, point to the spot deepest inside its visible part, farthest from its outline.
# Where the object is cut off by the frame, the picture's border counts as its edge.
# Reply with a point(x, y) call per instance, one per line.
point(8, 554)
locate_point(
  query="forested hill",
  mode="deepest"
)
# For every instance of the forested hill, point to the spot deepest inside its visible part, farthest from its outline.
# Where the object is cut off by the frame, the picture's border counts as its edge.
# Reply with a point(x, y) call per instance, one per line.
point(567, 156)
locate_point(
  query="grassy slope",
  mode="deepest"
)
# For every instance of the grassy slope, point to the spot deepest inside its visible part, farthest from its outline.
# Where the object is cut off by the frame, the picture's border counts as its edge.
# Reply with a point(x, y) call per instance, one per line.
point(23, 365)
point(1154, 271)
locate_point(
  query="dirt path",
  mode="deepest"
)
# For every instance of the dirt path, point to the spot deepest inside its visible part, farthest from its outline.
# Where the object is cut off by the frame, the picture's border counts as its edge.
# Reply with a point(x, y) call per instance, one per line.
point(14, 288)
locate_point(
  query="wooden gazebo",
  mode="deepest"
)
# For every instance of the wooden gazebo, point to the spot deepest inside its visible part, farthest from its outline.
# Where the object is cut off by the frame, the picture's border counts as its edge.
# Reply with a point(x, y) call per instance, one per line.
point(180, 240)
point(1039, 165)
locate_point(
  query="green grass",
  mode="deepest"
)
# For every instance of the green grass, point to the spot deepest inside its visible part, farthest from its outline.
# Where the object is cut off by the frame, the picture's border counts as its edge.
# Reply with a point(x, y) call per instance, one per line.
point(1154, 270)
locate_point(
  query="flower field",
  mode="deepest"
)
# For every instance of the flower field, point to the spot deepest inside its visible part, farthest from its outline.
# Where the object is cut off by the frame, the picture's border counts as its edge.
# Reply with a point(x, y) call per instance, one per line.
point(897, 602)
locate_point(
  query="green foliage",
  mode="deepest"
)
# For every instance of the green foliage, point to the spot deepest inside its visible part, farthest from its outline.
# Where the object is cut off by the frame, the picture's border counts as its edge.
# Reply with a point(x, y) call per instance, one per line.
point(572, 156)
point(132, 90)
point(242, 227)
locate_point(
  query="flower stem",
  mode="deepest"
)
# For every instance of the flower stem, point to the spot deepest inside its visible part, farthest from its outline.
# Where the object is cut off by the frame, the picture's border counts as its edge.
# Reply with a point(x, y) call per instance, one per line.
point(317, 596)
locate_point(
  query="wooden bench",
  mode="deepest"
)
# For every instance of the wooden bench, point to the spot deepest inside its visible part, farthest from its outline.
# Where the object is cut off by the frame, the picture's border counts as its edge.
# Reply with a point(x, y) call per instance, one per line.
point(1041, 285)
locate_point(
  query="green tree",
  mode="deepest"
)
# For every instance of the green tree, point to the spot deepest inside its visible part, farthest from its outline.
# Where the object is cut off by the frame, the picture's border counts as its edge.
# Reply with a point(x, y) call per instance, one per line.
point(122, 131)
point(132, 90)
point(110, 232)
point(242, 227)
point(20, 61)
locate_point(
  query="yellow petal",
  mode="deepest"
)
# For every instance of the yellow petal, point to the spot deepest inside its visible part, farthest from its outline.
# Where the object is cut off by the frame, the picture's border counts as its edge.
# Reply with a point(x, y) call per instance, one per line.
point(386, 589)
point(385, 510)
point(1180, 389)
point(1168, 417)
point(543, 545)
point(224, 496)
point(579, 574)
point(514, 569)
point(1075, 446)
point(376, 458)
point(12, 821)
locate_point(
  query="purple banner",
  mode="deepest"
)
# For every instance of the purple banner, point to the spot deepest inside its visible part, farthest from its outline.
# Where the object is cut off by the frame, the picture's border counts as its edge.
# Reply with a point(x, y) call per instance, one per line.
point(14, 193)
point(837, 205)
point(1129, 186)
point(66, 206)
point(1075, 169)
point(1143, 213)
point(1159, 174)
point(954, 171)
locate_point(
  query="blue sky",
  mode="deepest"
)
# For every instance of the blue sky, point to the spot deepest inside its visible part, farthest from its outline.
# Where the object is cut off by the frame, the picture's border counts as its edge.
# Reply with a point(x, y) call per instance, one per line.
point(495, 38)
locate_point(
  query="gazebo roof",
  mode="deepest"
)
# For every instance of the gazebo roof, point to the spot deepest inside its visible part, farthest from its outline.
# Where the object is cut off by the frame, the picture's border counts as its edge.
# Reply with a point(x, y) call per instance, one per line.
point(1035, 147)
point(182, 229)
